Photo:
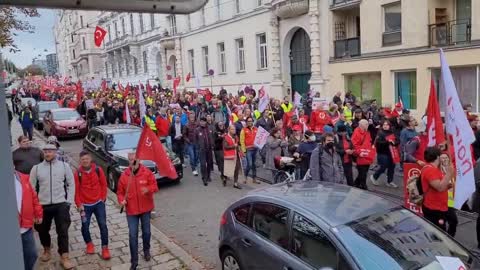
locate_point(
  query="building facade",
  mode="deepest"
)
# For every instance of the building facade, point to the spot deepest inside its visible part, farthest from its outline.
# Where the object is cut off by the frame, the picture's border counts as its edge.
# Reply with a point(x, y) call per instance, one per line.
point(77, 54)
point(52, 64)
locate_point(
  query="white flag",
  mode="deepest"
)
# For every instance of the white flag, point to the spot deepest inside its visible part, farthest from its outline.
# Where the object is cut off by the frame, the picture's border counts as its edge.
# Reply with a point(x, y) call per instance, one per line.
point(141, 104)
point(127, 113)
point(297, 100)
point(263, 103)
point(459, 128)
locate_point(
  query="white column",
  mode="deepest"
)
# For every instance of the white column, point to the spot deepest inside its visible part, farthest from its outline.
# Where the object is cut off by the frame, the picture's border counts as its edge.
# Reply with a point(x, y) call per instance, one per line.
point(316, 81)
point(276, 85)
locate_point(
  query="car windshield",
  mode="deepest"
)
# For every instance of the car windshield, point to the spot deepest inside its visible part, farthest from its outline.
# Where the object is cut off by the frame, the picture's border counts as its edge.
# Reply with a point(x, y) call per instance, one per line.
point(398, 239)
point(43, 107)
point(65, 115)
point(122, 141)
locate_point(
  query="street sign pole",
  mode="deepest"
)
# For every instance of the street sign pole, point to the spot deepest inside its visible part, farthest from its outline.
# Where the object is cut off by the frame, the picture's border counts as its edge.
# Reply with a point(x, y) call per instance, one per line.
point(11, 255)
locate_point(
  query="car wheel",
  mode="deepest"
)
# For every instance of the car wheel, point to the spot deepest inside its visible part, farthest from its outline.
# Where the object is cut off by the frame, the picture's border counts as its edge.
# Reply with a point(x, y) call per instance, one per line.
point(111, 181)
point(230, 261)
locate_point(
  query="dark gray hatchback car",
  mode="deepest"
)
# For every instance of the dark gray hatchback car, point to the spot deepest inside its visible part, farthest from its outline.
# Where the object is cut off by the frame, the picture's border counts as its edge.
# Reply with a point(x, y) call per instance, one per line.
point(319, 225)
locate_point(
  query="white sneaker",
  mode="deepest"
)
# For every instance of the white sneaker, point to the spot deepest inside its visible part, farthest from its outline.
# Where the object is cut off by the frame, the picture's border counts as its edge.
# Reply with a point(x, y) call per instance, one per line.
point(195, 173)
point(392, 185)
point(374, 182)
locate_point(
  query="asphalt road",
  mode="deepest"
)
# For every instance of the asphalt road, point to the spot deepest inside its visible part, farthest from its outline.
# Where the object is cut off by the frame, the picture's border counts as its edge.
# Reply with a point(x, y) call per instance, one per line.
point(189, 213)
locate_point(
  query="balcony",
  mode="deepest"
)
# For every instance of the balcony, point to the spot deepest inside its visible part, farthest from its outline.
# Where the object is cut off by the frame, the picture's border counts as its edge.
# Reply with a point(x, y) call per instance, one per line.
point(450, 33)
point(343, 4)
point(349, 47)
point(289, 8)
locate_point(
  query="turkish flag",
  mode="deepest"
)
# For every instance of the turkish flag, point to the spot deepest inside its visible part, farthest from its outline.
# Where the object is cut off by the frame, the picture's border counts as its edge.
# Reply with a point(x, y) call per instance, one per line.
point(188, 77)
point(100, 34)
point(104, 85)
point(176, 83)
point(434, 127)
point(150, 148)
point(79, 90)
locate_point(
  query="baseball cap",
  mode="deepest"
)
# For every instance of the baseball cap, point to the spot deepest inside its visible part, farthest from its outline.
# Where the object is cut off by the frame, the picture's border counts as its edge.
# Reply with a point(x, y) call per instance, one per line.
point(49, 147)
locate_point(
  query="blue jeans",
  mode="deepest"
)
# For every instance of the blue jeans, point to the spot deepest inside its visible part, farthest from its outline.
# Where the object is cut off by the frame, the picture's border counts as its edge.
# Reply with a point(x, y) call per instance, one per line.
point(251, 162)
point(133, 222)
point(28, 131)
point(192, 151)
point(101, 216)
point(29, 250)
point(386, 164)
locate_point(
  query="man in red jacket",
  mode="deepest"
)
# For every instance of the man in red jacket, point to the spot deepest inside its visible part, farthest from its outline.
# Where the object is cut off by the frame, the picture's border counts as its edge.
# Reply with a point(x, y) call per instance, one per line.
point(362, 146)
point(162, 123)
point(90, 197)
point(136, 188)
point(319, 119)
point(29, 212)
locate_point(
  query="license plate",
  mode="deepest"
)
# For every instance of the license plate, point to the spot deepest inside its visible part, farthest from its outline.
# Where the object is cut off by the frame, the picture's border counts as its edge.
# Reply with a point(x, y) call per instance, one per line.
point(73, 131)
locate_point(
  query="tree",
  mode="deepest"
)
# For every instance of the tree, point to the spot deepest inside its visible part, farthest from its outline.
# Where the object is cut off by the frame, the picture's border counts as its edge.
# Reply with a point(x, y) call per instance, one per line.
point(11, 23)
point(31, 70)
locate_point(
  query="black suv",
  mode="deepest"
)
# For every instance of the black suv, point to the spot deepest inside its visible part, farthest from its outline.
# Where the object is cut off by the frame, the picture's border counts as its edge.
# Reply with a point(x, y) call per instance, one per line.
point(110, 145)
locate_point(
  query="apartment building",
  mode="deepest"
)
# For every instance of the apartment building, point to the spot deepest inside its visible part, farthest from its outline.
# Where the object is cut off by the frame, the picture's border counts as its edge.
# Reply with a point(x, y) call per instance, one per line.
point(389, 49)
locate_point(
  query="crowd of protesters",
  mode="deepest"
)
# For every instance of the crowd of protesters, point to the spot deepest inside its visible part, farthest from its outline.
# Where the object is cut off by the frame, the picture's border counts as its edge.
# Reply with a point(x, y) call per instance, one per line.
point(332, 141)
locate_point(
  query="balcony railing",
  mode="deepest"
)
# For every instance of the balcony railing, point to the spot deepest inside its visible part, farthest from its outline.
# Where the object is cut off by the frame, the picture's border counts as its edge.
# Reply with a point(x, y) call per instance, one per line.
point(450, 33)
point(392, 38)
point(349, 47)
point(334, 4)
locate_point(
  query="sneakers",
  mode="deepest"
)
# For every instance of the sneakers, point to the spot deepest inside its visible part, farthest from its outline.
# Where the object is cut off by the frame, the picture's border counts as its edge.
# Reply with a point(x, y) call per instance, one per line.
point(46, 256)
point(392, 185)
point(195, 173)
point(90, 248)
point(105, 253)
point(66, 262)
point(374, 182)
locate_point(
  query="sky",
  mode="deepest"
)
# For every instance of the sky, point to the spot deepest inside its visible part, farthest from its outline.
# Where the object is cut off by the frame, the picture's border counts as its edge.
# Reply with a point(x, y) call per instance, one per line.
point(31, 45)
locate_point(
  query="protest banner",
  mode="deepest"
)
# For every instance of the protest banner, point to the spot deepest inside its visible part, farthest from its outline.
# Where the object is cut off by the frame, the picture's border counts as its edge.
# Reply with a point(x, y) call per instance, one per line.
point(319, 103)
point(409, 170)
point(261, 138)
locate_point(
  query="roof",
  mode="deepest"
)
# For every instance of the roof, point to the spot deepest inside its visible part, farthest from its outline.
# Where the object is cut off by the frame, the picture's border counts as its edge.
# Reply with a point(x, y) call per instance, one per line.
point(120, 128)
point(333, 203)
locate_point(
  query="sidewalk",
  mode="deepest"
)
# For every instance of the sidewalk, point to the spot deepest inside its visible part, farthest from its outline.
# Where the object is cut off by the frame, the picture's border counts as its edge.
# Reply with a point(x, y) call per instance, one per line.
point(165, 254)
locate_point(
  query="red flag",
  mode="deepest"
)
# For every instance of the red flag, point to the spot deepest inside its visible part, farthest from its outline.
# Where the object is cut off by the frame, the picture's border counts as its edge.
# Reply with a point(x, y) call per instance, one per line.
point(176, 83)
point(205, 93)
point(434, 128)
point(149, 89)
point(188, 77)
point(104, 85)
point(79, 90)
point(127, 90)
point(99, 35)
point(150, 148)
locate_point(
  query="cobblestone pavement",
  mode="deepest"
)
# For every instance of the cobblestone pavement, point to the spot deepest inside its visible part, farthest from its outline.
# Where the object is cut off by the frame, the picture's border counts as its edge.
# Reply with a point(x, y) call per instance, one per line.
point(162, 257)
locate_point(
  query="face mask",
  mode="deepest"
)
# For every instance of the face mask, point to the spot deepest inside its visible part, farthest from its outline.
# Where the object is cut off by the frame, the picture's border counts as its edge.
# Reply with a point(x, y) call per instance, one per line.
point(329, 145)
point(312, 138)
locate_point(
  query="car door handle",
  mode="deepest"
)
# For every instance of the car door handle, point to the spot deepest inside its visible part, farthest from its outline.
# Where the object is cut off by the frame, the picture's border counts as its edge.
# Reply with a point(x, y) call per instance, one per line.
point(246, 242)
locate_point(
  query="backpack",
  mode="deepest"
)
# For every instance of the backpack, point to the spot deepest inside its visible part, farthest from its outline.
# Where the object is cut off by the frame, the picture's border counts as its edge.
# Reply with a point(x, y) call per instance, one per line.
point(416, 194)
point(79, 174)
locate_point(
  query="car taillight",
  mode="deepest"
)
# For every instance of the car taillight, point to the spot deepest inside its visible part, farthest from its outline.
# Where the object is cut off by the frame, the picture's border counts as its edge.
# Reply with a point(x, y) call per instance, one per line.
point(223, 219)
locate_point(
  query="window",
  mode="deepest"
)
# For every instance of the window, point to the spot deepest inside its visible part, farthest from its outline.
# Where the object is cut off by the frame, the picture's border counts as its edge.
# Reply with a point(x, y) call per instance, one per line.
point(365, 86)
point(115, 27)
point(270, 221)
point(142, 27)
point(73, 52)
point(113, 70)
point(81, 21)
point(135, 66)
point(109, 33)
point(392, 24)
point(145, 62)
point(132, 29)
point(152, 21)
point(120, 69)
point(203, 16)
point(205, 60)
point(262, 51)
point(311, 245)
point(71, 36)
point(123, 26)
point(191, 62)
point(84, 45)
point(241, 214)
point(189, 22)
point(465, 79)
point(222, 62)
point(259, 2)
point(237, 6)
point(218, 9)
point(240, 55)
point(172, 20)
point(106, 70)
point(127, 66)
point(406, 89)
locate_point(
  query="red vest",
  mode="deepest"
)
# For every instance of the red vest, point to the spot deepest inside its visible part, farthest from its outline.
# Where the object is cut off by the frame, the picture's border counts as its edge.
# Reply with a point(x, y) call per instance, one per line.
point(250, 136)
point(229, 153)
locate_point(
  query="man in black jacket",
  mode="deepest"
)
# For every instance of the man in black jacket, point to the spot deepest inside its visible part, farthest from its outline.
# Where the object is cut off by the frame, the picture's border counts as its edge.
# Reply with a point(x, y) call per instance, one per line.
point(10, 118)
point(265, 121)
point(204, 138)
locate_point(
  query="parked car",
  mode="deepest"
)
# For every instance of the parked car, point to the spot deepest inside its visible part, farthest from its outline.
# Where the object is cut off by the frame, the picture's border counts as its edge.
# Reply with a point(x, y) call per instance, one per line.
point(318, 225)
point(110, 145)
point(63, 123)
point(41, 108)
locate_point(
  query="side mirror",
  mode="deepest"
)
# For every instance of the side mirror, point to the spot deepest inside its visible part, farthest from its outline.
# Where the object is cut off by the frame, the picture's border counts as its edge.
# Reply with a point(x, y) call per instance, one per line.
point(98, 148)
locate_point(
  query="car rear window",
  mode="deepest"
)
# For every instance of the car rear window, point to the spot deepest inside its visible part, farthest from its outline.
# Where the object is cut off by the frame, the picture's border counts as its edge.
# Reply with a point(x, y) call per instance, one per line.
point(398, 239)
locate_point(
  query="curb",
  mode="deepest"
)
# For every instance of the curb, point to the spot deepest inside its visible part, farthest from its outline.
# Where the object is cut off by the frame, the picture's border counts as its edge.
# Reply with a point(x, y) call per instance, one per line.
point(175, 249)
